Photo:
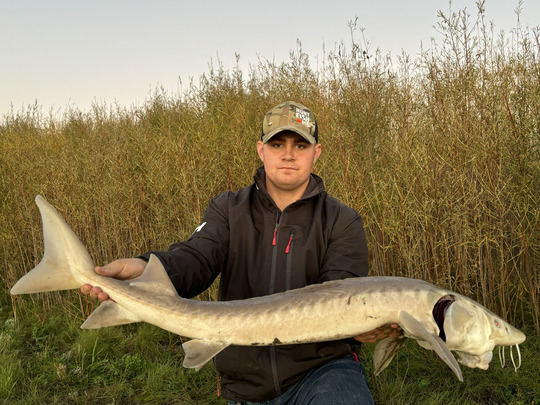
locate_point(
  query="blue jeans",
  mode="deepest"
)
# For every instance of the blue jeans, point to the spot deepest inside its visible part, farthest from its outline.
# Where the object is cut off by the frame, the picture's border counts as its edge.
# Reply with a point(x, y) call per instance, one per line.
point(338, 382)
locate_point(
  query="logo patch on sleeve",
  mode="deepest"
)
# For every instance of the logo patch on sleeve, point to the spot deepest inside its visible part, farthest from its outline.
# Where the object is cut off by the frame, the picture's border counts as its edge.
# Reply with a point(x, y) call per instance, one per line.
point(198, 229)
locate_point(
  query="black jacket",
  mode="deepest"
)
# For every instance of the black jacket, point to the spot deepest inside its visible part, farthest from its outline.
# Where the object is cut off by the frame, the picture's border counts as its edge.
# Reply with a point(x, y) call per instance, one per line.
point(260, 250)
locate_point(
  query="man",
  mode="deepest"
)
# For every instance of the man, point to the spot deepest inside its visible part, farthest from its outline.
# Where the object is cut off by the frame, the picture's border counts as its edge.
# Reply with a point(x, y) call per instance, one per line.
point(282, 232)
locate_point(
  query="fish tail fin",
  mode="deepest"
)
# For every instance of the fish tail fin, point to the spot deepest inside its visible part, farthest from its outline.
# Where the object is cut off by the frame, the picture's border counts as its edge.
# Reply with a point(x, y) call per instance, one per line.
point(64, 257)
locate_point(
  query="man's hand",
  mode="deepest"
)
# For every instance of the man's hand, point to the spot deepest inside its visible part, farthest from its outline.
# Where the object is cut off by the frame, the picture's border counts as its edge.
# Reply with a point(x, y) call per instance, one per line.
point(382, 332)
point(121, 269)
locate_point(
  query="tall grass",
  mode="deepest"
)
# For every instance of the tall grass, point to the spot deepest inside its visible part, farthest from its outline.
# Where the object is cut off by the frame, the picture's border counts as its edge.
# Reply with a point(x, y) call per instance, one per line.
point(439, 154)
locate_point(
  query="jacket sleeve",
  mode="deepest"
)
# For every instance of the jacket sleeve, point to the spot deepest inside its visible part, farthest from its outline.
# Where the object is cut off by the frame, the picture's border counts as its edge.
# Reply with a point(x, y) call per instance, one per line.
point(347, 252)
point(194, 264)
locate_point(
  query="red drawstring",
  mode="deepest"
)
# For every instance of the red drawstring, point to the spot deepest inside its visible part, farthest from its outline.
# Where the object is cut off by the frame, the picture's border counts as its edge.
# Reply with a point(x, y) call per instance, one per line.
point(218, 393)
point(289, 244)
point(274, 239)
point(355, 357)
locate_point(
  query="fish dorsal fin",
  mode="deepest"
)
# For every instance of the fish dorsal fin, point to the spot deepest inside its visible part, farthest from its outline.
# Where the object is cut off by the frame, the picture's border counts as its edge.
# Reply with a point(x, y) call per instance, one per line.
point(414, 328)
point(199, 352)
point(385, 352)
point(109, 313)
point(154, 279)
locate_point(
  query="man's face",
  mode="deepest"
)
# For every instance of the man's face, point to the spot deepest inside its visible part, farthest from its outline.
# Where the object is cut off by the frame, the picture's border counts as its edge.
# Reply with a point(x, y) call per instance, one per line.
point(288, 159)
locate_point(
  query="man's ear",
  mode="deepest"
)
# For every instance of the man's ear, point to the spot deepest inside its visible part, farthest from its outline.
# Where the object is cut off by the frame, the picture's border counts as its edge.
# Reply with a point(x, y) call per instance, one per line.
point(260, 150)
point(318, 149)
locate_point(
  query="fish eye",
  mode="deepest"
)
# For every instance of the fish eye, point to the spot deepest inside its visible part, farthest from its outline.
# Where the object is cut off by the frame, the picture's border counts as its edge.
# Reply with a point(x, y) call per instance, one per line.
point(497, 323)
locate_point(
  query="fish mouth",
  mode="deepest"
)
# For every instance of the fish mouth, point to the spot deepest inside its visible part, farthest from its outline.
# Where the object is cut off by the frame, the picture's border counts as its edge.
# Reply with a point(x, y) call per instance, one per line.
point(482, 361)
point(475, 361)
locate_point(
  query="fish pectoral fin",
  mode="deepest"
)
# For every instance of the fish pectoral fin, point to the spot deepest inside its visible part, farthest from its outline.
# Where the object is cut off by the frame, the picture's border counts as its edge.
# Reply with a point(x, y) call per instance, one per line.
point(154, 279)
point(199, 352)
point(385, 352)
point(109, 313)
point(414, 328)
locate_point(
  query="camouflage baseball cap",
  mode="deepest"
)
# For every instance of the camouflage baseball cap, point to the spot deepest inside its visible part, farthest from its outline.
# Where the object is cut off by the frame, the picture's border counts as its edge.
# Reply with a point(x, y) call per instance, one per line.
point(290, 116)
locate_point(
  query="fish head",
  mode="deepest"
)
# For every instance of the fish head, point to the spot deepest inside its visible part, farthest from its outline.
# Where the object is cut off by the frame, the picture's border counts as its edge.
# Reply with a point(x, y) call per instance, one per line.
point(472, 331)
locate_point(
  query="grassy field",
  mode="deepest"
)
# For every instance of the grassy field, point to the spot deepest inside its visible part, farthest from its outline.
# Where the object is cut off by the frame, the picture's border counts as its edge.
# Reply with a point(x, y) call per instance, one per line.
point(439, 154)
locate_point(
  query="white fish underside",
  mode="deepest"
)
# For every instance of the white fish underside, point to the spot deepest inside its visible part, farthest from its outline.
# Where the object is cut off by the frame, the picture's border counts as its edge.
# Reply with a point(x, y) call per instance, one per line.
point(322, 312)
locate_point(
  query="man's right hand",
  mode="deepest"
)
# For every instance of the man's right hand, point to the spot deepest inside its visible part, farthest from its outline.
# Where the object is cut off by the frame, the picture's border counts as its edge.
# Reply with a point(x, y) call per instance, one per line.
point(121, 269)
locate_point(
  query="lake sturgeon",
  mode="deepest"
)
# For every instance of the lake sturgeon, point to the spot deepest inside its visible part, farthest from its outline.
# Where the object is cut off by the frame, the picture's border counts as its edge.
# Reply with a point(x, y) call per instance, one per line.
point(436, 318)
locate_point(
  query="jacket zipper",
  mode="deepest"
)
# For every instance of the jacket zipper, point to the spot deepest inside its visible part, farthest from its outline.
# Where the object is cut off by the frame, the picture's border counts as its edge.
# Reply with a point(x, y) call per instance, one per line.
point(288, 270)
point(273, 362)
point(288, 273)
point(271, 288)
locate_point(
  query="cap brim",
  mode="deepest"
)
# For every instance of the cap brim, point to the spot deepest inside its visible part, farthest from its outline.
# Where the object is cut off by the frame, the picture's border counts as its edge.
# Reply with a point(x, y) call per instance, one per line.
point(307, 136)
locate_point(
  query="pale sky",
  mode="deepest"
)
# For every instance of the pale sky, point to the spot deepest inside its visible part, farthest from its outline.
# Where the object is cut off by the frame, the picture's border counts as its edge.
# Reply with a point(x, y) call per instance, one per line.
point(62, 53)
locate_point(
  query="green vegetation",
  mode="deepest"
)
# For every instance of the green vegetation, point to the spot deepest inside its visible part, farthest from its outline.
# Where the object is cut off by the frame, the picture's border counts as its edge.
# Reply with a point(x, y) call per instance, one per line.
point(440, 155)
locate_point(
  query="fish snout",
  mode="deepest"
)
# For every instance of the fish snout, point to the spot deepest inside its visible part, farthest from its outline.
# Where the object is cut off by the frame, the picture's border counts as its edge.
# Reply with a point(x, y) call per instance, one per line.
point(507, 335)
